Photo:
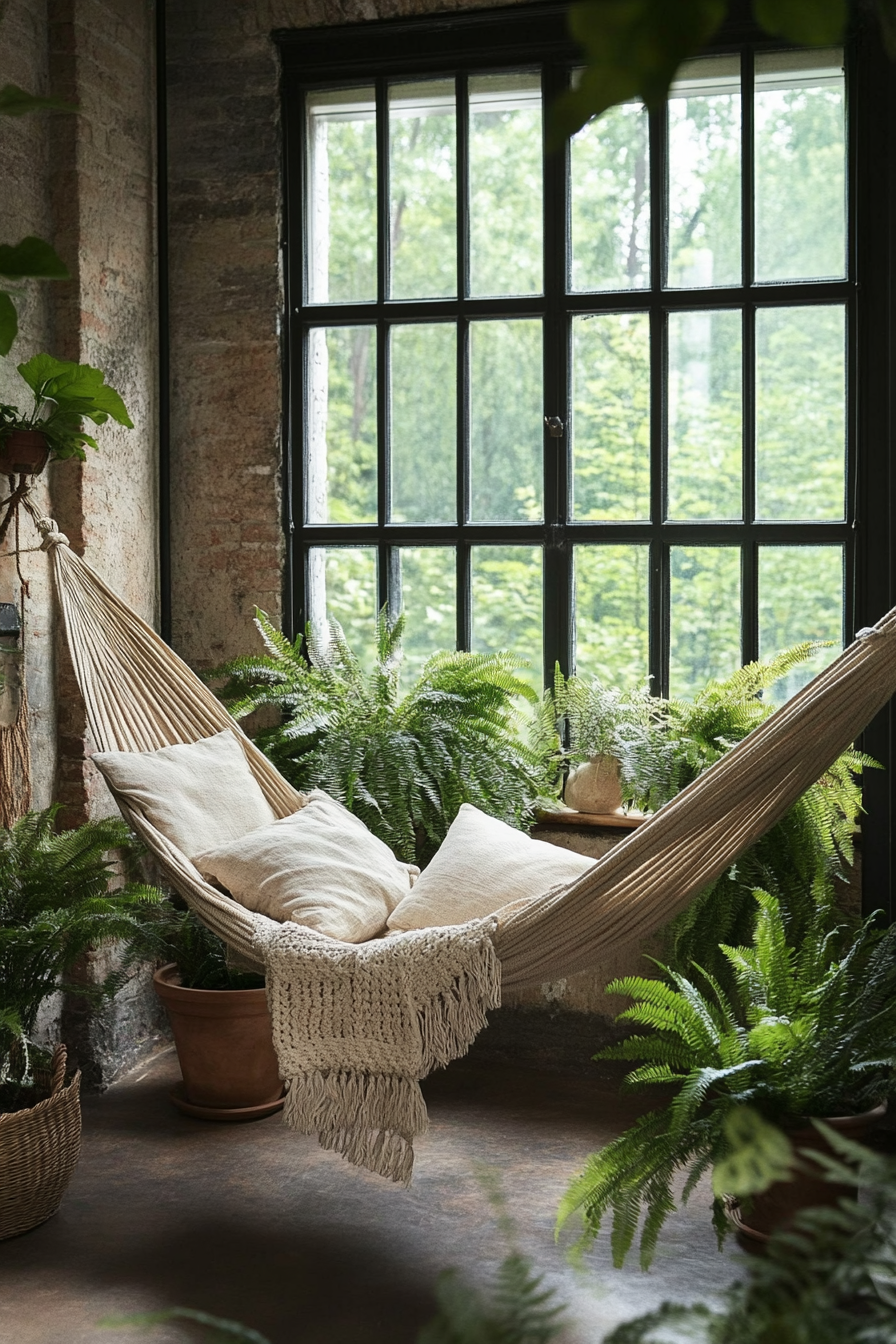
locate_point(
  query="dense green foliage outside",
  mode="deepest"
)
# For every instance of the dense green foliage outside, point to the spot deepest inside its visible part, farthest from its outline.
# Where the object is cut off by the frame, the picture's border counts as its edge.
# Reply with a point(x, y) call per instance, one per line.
point(800, 366)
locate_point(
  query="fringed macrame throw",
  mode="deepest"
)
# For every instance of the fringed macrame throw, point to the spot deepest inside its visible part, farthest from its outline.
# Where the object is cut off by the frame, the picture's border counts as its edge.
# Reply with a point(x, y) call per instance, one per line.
point(356, 1026)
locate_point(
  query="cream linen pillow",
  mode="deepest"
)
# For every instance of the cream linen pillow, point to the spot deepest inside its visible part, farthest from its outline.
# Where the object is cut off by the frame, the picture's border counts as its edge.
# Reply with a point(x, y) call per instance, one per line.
point(481, 865)
point(198, 794)
point(320, 867)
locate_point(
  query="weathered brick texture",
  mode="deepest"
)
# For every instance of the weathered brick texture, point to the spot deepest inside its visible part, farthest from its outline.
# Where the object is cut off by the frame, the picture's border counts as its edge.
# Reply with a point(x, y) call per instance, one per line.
point(87, 183)
point(224, 181)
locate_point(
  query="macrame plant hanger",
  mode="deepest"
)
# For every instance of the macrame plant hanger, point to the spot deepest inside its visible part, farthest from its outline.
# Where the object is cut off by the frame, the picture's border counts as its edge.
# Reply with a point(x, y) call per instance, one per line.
point(15, 744)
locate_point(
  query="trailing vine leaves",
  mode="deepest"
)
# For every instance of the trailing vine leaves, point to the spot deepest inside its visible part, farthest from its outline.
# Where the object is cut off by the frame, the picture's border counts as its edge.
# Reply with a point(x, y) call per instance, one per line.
point(633, 48)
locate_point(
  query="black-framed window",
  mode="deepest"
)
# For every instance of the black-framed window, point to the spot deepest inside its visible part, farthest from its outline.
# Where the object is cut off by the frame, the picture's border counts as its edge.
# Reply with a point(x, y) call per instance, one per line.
point(591, 406)
point(666, 328)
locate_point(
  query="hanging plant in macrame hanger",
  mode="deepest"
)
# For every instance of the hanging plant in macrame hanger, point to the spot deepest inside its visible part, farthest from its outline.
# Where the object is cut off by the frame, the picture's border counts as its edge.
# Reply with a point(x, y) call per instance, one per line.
point(63, 395)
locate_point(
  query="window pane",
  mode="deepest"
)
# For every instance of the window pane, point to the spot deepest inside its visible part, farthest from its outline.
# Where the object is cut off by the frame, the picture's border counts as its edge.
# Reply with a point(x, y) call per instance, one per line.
point(424, 423)
point(800, 138)
point(505, 184)
point(611, 613)
point(611, 416)
point(422, 190)
point(610, 201)
point(507, 602)
point(342, 587)
point(429, 602)
point(704, 617)
point(704, 174)
point(506, 421)
point(341, 195)
point(705, 414)
point(801, 412)
point(800, 597)
point(340, 479)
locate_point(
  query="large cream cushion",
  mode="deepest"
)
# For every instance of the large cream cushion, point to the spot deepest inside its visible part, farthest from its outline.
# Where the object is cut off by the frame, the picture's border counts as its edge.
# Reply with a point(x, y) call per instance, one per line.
point(481, 865)
point(320, 867)
point(198, 794)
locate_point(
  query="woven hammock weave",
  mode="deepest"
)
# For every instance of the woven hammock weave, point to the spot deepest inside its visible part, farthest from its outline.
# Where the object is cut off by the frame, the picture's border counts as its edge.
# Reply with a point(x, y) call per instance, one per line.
point(140, 696)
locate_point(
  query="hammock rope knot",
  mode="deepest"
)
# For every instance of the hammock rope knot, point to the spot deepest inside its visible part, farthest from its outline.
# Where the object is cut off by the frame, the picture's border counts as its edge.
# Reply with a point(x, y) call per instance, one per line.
point(51, 534)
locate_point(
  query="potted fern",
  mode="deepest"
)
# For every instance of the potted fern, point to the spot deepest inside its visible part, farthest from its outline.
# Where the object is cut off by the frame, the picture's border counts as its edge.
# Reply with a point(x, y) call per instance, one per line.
point(55, 903)
point(810, 1032)
point(827, 1280)
point(403, 760)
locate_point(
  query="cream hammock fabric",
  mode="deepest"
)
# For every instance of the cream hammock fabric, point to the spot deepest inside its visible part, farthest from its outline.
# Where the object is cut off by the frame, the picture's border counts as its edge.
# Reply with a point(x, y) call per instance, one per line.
point(140, 696)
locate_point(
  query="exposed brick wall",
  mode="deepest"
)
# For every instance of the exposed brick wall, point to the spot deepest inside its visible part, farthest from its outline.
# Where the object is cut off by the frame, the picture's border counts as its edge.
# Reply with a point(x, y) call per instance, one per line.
point(25, 209)
point(102, 182)
point(87, 183)
point(224, 186)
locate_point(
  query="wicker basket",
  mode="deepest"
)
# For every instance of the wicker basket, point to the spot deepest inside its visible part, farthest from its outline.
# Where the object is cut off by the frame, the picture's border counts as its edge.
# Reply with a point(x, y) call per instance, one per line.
point(39, 1149)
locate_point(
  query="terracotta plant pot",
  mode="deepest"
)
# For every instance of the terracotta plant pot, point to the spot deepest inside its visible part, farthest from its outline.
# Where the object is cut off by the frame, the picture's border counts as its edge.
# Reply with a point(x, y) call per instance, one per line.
point(23, 451)
point(224, 1047)
point(775, 1207)
point(594, 786)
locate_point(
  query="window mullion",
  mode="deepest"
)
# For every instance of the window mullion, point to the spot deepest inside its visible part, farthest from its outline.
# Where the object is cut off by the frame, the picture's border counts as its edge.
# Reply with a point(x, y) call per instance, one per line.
point(658, 594)
point(557, 575)
point(750, 550)
point(388, 592)
point(464, 599)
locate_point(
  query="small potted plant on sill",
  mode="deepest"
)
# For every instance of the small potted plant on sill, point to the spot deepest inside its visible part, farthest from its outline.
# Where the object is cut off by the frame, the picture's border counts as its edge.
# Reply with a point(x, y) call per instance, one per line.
point(63, 394)
point(811, 1034)
point(602, 725)
point(55, 904)
point(220, 1020)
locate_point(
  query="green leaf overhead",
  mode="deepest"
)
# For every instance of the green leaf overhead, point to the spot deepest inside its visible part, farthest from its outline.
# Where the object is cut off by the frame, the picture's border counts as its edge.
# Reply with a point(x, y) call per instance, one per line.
point(808, 23)
point(9, 323)
point(15, 102)
point(77, 389)
point(31, 259)
point(632, 49)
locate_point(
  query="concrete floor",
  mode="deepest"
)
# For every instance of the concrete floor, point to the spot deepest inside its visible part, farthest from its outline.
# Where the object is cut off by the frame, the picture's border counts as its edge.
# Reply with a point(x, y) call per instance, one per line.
point(257, 1224)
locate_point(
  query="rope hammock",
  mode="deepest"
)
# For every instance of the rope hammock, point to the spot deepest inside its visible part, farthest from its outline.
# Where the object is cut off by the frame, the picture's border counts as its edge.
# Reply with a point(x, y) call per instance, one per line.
point(140, 696)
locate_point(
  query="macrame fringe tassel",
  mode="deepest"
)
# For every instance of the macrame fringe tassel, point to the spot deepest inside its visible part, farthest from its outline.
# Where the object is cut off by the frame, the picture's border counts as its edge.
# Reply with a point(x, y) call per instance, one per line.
point(370, 1119)
point(15, 767)
point(451, 1020)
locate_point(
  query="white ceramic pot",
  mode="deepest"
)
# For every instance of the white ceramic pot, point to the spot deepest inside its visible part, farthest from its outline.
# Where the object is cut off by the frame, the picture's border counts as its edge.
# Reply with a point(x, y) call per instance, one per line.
point(594, 786)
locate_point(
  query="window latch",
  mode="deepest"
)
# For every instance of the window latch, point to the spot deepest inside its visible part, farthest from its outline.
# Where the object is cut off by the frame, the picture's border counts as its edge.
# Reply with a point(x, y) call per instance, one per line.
point(555, 426)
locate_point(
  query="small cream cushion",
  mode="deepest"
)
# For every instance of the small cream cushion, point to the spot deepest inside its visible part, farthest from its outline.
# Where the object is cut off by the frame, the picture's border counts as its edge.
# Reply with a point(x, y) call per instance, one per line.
point(320, 867)
point(198, 794)
point(480, 866)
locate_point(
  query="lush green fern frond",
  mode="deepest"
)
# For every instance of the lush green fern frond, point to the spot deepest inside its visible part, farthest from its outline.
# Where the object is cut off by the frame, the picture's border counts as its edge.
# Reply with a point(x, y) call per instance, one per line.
point(403, 762)
point(57, 900)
